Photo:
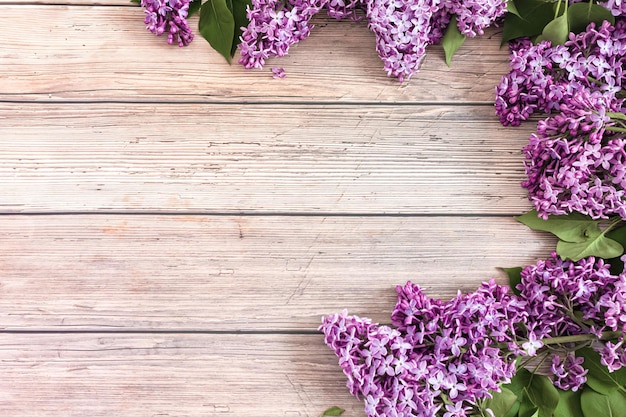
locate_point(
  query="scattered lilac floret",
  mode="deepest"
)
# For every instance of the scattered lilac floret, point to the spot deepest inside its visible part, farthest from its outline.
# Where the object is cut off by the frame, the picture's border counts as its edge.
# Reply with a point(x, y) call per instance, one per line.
point(278, 72)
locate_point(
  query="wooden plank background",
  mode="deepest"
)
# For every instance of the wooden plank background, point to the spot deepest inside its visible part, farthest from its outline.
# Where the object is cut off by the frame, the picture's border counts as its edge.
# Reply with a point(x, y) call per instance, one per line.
point(173, 228)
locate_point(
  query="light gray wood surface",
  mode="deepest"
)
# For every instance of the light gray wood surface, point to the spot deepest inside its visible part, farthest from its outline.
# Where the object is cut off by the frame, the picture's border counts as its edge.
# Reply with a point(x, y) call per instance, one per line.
point(173, 228)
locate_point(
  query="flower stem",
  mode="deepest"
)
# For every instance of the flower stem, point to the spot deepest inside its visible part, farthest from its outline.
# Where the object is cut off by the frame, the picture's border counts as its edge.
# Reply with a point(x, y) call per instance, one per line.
point(580, 338)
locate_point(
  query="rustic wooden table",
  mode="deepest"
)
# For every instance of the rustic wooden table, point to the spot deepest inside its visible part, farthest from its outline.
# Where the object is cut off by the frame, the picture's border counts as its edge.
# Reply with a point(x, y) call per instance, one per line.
point(172, 228)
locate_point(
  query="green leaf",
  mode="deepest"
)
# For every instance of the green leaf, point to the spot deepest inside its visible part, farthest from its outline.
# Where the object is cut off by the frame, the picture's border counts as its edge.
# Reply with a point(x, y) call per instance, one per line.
point(514, 411)
point(557, 31)
point(520, 380)
point(527, 408)
point(619, 235)
point(580, 15)
point(194, 7)
point(595, 404)
point(512, 8)
point(617, 402)
point(599, 378)
point(574, 227)
point(452, 40)
point(597, 245)
point(136, 1)
point(531, 17)
point(501, 402)
point(543, 394)
point(333, 411)
point(217, 26)
point(241, 20)
point(515, 277)
point(569, 404)
point(580, 235)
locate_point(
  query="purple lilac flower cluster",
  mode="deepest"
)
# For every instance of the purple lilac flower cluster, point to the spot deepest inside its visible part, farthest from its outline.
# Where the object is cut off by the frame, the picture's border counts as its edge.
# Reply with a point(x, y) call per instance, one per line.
point(402, 33)
point(617, 7)
point(541, 77)
point(438, 360)
point(575, 163)
point(273, 28)
point(403, 29)
point(473, 17)
point(442, 358)
point(566, 298)
point(168, 16)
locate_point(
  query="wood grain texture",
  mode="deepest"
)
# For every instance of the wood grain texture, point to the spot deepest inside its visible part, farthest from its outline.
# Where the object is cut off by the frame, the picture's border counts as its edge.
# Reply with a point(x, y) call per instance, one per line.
point(259, 158)
point(170, 375)
point(239, 273)
point(173, 228)
point(104, 53)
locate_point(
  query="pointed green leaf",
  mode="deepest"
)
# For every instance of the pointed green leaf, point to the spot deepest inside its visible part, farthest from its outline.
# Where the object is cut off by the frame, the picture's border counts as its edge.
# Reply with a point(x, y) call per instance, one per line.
point(515, 277)
point(240, 10)
point(520, 380)
point(136, 1)
point(617, 402)
point(333, 411)
point(532, 16)
point(543, 394)
point(597, 245)
point(580, 15)
point(512, 8)
point(194, 7)
point(599, 378)
point(217, 26)
point(452, 40)
point(574, 227)
point(595, 404)
point(514, 411)
point(619, 235)
point(569, 404)
point(557, 31)
point(501, 402)
point(527, 408)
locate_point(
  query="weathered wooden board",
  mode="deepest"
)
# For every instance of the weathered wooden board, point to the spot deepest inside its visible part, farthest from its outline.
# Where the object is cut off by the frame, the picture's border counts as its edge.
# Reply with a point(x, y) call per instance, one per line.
point(148, 375)
point(155, 202)
point(105, 53)
point(239, 273)
point(259, 158)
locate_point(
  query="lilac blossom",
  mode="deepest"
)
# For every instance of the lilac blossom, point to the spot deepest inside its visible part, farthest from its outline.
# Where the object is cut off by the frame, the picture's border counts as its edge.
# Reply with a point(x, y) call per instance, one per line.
point(402, 33)
point(575, 163)
point(403, 29)
point(566, 298)
point(568, 372)
point(473, 16)
point(275, 26)
point(435, 350)
point(616, 7)
point(168, 16)
point(442, 358)
point(542, 76)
